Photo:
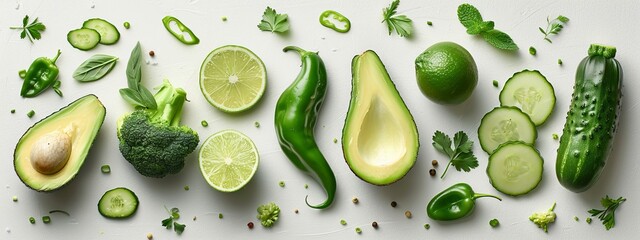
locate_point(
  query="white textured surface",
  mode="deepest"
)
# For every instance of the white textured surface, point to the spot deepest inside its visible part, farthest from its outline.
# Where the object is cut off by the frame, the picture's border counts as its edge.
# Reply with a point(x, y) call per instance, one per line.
point(609, 22)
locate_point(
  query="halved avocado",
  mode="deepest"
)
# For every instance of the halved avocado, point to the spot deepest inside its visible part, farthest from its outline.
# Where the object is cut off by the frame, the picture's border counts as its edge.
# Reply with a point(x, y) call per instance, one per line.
point(52, 151)
point(379, 138)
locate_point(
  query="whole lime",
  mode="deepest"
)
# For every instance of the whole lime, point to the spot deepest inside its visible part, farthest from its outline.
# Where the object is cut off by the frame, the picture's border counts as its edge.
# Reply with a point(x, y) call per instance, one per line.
point(446, 73)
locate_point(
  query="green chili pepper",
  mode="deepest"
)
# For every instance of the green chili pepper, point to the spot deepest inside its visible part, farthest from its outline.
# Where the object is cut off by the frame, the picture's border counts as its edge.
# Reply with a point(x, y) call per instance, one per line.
point(454, 202)
point(326, 20)
point(295, 120)
point(42, 73)
point(192, 40)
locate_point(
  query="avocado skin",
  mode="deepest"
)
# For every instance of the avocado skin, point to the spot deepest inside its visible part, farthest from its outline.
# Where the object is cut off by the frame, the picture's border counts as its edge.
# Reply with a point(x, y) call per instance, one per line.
point(37, 124)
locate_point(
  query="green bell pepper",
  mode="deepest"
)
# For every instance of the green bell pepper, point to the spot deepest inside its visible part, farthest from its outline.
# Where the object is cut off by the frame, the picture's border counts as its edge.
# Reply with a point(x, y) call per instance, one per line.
point(327, 16)
point(41, 75)
point(192, 40)
point(295, 120)
point(454, 202)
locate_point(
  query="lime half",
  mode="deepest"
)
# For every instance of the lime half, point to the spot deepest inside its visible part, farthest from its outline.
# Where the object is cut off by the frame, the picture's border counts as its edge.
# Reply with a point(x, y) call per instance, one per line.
point(232, 78)
point(228, 160)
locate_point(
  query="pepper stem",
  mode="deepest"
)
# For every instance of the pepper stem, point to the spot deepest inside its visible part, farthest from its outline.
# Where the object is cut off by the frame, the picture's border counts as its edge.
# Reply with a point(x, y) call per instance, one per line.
point(481, 195)
point(294, 48)
point(56, 57)
point(602, 50)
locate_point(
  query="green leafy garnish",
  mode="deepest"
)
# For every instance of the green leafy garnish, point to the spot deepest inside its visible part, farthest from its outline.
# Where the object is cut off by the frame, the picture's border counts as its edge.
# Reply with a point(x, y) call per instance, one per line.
point(273, 21)
point(268, 214)
point(137, 94)
point(171, 222)
point(607, 215)
point(31, 30)
point(400, 23)
point(94, 68)
point(471, 19)
point(461, 157)
point(553, 27)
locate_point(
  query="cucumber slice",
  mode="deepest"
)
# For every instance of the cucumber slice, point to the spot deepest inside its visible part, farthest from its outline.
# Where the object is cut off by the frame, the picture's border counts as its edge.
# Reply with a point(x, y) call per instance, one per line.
point(118, 203)
point(505, 124)
point(530, 91)
point(515, 168)
point(108, 33)
point(83, 39)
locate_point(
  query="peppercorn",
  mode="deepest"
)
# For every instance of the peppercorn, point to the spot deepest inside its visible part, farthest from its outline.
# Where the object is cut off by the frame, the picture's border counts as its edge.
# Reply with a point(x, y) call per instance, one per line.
point(374, 225)
point(407, 214)
point(434, 162)
point(149, 236)
point(355, 200)
point(432, 172)
point(152, 53)
point(295, 211)
point(394, 204)
point(250, 225)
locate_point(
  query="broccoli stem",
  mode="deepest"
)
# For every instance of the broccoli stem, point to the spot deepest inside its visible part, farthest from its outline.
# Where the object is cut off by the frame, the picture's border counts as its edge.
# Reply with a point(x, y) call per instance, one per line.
point(170, 101)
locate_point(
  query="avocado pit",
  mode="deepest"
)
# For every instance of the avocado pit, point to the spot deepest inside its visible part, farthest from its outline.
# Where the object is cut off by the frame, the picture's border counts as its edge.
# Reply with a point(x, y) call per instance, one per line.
point(51, 152)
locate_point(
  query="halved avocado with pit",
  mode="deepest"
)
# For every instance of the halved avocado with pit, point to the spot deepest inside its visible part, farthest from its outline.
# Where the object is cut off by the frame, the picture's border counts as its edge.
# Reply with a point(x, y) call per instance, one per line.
point(379, 138)
point(52, 151)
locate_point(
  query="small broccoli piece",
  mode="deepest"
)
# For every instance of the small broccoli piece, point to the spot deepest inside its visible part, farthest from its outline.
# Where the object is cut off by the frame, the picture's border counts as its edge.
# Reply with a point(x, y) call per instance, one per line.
point(153, 140)
point(268, 214)
point(542, 219)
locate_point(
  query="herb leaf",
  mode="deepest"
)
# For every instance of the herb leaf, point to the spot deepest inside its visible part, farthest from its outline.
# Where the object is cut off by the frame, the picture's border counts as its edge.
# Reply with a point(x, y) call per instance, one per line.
point(136, 93)
point(95, 68)
point(461, 157)
point(553, 27)
point(470, 18)
point(499, 40)
point(400, 23)
point(274, 22)
point(171, 222)
point(607, 215)
point(31, 30)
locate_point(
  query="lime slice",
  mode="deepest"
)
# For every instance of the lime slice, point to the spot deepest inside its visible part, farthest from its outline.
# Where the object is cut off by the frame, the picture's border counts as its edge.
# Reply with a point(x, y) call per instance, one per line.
point(228, 160)
point(232, 78)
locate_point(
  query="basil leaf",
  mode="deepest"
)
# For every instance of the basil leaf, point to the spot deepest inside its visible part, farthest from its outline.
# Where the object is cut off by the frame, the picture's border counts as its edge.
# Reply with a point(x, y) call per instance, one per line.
point(132, 97)
point(134, 68)
point(95, 68)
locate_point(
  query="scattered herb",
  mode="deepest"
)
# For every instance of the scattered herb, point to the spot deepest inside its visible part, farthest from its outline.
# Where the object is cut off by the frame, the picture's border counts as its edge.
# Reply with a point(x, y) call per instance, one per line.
point(32, 220)
point(31, 113)
point(14, 198)
point(607, 215)
point(250, 225)
point(427, 226)
point(429, 23)
point(281, 183)
point(256, 124)
point(56, 87)
point(576, 218)
point(542, 219)
point(553, 27)
point(432, 172)
point(204, 123)
point(358, 230)
point(31, 30)
point(306, 186)
point(374, 225)
point(268, 214)
point(588, 220)
point(220, 216)
point(533, 51)
point(224, 18)
point(554, 136)
point(407, 214)
point(355, 200)
point(46, 219)
point(127, 25)
point(343, 222)
point(559, 61)
point(194, 218)
point(400, 23)
point(13, 111)
point(105, 168)
point(494, 223)
point(137, 94)
point(461, 157)
point(471, 19)
point(394, 204)
point(22, 74)
point(171, 222)
point(273, 21)
point(495, 83)
point(186, 187)
point(434, 163)
point(335, 140)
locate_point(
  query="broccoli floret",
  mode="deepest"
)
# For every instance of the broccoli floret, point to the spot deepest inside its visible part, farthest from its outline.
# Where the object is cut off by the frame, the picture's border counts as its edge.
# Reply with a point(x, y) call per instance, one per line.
point(153, 140)
point(268, 214)
point(542, 219)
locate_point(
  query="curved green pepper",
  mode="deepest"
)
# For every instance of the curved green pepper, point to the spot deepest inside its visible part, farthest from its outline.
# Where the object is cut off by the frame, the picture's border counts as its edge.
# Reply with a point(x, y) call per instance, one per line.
point(295, 120)
point(327, 16)
point(183, 29)
point(454, 202)
point(42, 73)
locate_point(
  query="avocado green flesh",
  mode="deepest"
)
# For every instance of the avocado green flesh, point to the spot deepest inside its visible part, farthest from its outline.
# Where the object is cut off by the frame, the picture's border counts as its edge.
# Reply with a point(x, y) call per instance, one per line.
point(380, 138)
point(81, 120)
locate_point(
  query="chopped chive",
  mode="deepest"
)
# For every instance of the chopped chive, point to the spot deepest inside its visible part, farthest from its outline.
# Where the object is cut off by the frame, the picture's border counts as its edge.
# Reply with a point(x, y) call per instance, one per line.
point(13, 111)
point(343, 222)
point(576, 218)
point(127, 25)
point(105, 168)
point(532, 51)
point(555, 136)
point(204, 123)
point(14, 198)
point(429, 23)
point(495, 83)
point(32, 220)
point(306, 186)
point(257, 124)
point(358, 230)
point(22, 73)
point(46, 219)
point(220, 216)
point(335, 140)
point(589, 220)
point(224, 18)
point(559, 61)
point(427, 226)
point(186, 187)
point(31, 113)
point(494, 223)
point(281, 183)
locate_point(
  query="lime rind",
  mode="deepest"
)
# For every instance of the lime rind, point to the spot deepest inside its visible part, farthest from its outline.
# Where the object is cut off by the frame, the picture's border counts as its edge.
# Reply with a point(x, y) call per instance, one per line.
point(228, 160)
point(232, 78)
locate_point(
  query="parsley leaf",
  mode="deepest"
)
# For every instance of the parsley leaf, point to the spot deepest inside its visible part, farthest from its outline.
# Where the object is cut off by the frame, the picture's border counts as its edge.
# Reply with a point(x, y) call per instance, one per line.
point(471, 19)
point(400, 23)
point(171, 222)
point(553, 27)
point(31, 30)
point(461, 157)
point(607, 215)
point(274, 22)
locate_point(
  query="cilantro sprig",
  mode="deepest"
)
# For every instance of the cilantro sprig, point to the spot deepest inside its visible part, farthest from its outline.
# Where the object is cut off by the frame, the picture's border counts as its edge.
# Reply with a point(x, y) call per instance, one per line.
point(273, 21)
point(400, 23)
point(461, 156)
point(171, 222)
point(31, 30)
point(471, 19)
point(553, 27)
point(607, 215)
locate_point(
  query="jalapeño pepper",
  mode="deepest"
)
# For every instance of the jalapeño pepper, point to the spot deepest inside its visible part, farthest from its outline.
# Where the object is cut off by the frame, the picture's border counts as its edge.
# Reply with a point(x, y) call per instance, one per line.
point(42, 73)
point(454, 202)
point(295, 120)
point(192, 40)
point(326, 20)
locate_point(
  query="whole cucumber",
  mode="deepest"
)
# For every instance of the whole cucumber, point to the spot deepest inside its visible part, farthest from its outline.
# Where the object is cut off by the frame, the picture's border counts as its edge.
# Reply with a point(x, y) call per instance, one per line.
point(592, 119)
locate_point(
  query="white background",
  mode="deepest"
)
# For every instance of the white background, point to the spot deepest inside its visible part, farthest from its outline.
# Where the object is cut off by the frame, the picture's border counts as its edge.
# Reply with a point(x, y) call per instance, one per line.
point(608, 22)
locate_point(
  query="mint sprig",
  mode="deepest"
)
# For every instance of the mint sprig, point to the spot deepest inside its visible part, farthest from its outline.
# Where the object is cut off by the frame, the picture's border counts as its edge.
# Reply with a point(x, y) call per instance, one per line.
point(553, 27)
point(471, 19)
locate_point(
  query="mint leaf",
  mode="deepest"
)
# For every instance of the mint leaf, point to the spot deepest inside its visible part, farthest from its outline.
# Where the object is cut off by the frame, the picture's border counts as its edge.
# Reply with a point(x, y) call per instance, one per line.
point(480, 28)
point(499, 40)
point(274, 22)
point(469, 15)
